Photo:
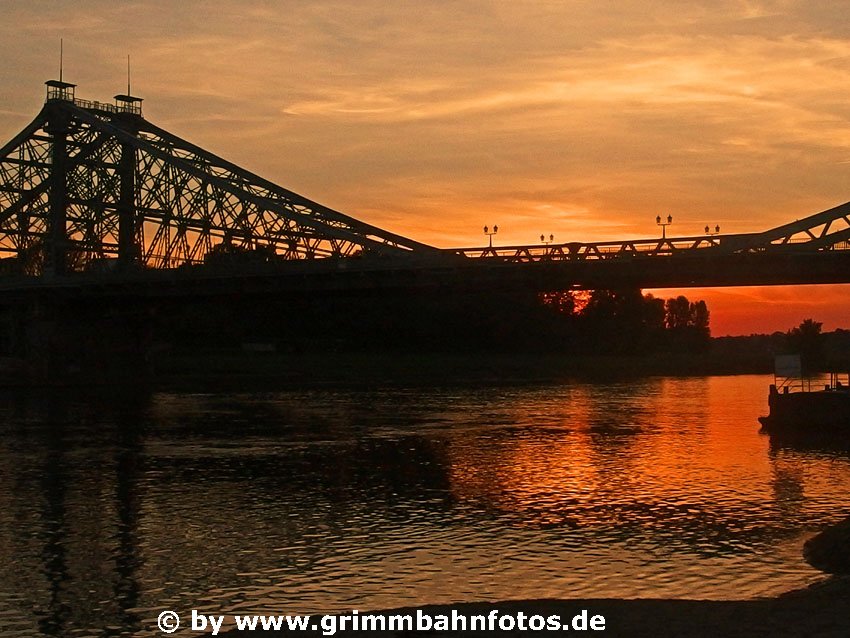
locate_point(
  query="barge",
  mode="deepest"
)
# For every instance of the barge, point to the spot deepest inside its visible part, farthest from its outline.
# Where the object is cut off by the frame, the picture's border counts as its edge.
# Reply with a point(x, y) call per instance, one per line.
point(797, 409)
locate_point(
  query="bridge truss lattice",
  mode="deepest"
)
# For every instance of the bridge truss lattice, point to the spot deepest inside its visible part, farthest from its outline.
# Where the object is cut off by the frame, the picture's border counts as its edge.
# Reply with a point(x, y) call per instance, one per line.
point(87, 183)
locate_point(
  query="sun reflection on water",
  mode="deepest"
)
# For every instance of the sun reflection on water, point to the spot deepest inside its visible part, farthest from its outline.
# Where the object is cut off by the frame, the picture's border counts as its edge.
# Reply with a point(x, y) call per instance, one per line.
point(326, 500)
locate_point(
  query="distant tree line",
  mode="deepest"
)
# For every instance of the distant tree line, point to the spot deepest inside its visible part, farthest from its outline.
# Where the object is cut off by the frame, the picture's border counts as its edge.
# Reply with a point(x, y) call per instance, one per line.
point(627, 321)
point(602, 321)
point(818, 350)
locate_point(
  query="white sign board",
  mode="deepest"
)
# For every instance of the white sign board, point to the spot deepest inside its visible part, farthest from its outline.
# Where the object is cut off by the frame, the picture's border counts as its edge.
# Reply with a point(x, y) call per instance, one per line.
point(788, 365)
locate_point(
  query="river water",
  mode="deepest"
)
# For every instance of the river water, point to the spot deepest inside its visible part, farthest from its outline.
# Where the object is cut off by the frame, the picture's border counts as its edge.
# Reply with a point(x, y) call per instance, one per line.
point(114, 507)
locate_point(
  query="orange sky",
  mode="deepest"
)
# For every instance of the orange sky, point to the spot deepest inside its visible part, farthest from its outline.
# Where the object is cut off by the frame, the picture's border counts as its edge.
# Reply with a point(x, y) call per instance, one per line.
point(435, 118)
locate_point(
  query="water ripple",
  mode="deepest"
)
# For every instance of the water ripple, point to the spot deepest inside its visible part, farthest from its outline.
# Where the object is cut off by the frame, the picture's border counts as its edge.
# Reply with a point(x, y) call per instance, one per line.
point(317, 501)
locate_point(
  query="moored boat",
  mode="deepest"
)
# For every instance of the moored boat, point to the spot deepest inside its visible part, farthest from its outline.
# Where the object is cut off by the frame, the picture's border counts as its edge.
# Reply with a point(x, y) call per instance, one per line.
point(825, 411)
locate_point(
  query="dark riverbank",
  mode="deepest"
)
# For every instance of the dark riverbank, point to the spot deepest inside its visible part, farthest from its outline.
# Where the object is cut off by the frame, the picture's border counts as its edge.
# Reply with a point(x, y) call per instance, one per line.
point(258, 369)
point(265, 364)
point(253, 368)
point(822, 611)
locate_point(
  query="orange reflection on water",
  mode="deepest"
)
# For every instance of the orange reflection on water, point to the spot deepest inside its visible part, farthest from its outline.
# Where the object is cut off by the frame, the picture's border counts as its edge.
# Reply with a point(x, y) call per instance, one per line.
point(624, 454)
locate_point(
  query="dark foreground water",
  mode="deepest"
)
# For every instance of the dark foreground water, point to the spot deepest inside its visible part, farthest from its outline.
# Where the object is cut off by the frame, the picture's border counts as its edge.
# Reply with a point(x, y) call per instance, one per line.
point(114, 508)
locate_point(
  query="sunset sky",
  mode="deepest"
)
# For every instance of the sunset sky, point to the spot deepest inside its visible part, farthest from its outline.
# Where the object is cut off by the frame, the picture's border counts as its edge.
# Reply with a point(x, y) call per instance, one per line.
point(431, 119)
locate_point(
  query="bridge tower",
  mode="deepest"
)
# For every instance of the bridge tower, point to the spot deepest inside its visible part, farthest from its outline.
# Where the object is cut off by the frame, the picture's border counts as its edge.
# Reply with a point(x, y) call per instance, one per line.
point(57, 127)
point(129, 229)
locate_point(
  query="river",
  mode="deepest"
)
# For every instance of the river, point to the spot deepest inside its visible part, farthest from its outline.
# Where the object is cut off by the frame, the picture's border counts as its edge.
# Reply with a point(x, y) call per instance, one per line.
point(115, 506)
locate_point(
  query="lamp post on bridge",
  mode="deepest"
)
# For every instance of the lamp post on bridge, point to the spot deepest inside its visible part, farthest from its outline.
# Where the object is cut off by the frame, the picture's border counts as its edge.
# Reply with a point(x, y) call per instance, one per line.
point(490, 234)
point(664, 225)
point(550, 240)
point(709, 232)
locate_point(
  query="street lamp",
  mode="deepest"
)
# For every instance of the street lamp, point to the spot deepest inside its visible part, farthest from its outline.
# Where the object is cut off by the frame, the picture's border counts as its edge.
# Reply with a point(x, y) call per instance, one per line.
point(543, 239)
point(710, 233)
point(491, 233)
point(664, 225)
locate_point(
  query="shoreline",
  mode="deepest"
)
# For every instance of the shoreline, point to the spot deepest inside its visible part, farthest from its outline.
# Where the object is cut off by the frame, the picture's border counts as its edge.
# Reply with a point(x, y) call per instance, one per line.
point(357, 369)
point(820, 610)
point(232, 369)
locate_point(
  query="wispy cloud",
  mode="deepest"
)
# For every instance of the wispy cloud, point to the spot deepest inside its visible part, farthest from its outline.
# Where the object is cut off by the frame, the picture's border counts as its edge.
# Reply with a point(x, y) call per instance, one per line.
point(434, 118)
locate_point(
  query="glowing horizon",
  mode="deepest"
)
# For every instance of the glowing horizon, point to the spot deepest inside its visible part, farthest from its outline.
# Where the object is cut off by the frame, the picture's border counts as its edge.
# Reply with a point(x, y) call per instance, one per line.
point(433, 120)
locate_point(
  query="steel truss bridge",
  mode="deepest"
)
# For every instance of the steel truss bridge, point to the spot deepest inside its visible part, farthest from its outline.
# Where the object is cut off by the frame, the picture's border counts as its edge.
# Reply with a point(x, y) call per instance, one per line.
point(95, 198)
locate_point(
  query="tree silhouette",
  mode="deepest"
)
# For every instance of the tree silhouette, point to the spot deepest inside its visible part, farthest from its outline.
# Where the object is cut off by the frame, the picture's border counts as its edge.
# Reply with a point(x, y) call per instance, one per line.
point(687, 323)
point(807, 340)
point(678, 313)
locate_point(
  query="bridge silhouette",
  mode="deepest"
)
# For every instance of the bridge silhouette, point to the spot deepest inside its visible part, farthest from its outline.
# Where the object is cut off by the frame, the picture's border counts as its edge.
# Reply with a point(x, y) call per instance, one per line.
point(95, 198)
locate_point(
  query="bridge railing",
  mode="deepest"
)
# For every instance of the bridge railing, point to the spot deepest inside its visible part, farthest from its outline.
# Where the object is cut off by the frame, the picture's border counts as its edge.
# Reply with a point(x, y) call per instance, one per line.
point(580, 251)
point(640, 248)
point(94, 105)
